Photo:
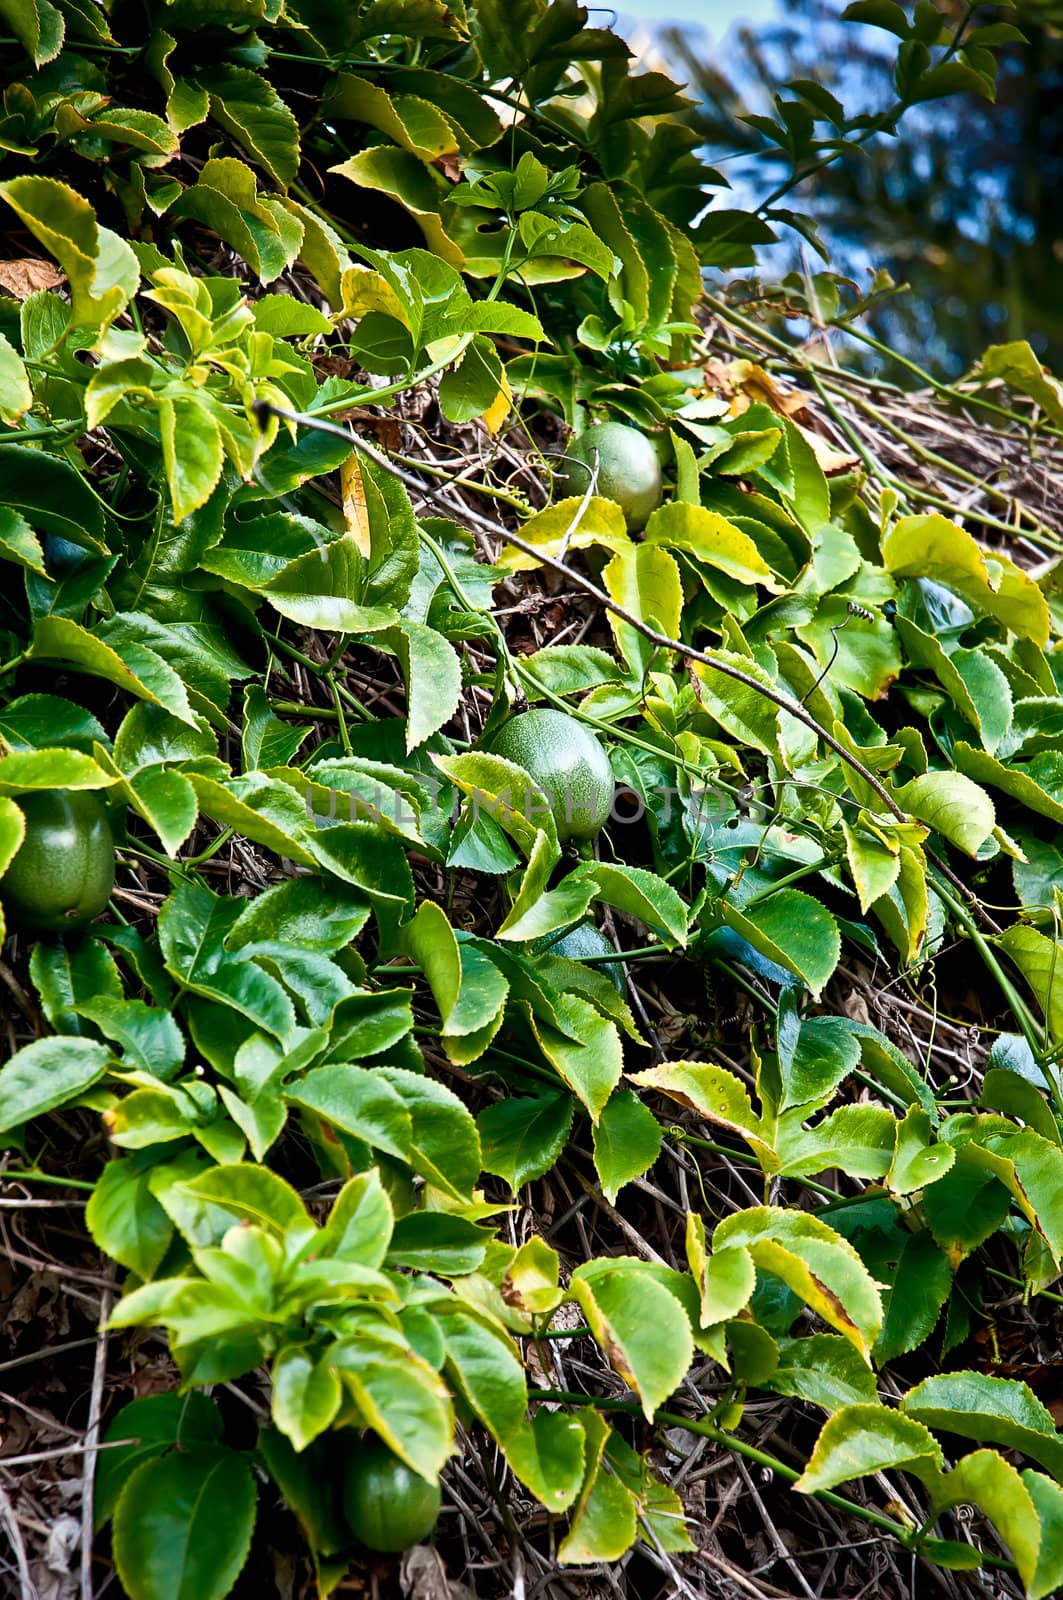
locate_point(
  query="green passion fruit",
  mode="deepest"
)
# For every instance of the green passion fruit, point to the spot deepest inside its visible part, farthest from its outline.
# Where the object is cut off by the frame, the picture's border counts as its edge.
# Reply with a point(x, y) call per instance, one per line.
point(577, 943)
point(62, 874)
point(628, 469)
point(388, 1506)
point(565, 760)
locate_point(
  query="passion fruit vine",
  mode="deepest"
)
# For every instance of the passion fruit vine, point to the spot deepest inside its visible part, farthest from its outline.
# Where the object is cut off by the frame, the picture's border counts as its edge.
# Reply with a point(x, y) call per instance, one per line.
point(565, 760)
point(62, 874)
point(629, 472)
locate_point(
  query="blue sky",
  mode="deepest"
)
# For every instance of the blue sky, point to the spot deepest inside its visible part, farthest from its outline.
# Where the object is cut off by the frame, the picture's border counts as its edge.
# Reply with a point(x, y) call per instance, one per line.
point(714, 16)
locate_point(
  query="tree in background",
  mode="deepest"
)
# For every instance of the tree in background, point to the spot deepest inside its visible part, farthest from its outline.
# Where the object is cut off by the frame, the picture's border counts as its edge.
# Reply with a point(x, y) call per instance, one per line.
point(964, 202)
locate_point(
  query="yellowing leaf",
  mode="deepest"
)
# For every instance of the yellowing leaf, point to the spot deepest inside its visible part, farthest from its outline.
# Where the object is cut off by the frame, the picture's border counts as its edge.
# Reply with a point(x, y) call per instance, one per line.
point(934, 547)
point(355, 510)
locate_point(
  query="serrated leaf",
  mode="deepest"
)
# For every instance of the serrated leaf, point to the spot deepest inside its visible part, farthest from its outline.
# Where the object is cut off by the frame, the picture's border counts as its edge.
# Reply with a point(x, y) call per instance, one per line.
point(47, 1074)
point(182, 1527)
point(523, 1136)
point(989, 1410)
point(815, 1262)
point(100, 266)
point(714, 1092)
point(933, 547)
point(248, 107)
point(952, 805)
point(627, 1141)
point(640, 1325)
point(604, 1520)
point(433, 678)
point(792, 929)
point(825, 1370)
point(986, 1480)
point(868, 1438)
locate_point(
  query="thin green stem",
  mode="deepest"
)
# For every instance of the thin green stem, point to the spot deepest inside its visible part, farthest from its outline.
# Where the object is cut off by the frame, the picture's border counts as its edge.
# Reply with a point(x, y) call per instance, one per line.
point(33, 1175)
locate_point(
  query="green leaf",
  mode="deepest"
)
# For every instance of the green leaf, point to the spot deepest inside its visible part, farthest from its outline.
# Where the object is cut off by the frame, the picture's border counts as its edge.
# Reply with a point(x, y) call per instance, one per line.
point(38, 26)
point(965, 1208)
point(446, 1146)
point(986, 1480)
point(1047, 1498)
point(868, 1438)
point(952, 805)
point(857, 1139)
point(51, 496)
point(400, 1396)
point(604, 1520)
point(917, 1164)
point(989, 1410)
point(151, 1426)
point(644, 579)
point(713, 1092)
point(1020, 782)
point(824, 1370)
point(254, 1194)
point(433, 678)
point(490, 1374)
point(792, 929)
point(267, 741)
point(639, 1324)
point(725, 1279)
point(298, 912)
point(19, 543)
point(627, 1141)
point(569, 669)
point(547, 1456)
point(183, 1524)
point(361, 854)
point(412, 122)
point(476, 386)
point(873, 863)
point(360, 1223)
point(192, 452)
point(522, 1137)
point(47, 1074)
point(193, 924)
point(360, 1102)
point(101, 267)
point(133, 667)
point(1037, 958)
point(933, 547)
point(479, 1009)
point(16, 396)
point(912, 1305)
point(825, 1052)
point(125, 1219)
point(710, 539)
point(29, 770)
point(306, 1395)
point(587, 1056)
point(738, 707)
point(247, 106)
point(813, 1261)
point(641, 894)
point(66, 976)
point(552, 531)
point(1020, 369)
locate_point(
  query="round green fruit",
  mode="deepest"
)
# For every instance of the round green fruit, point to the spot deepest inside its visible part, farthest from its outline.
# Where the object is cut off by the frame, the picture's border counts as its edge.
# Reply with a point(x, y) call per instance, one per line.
point(388, 1506)
point(628, 469)
point(63, 872)
point(565, 761)
point(577, 943)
